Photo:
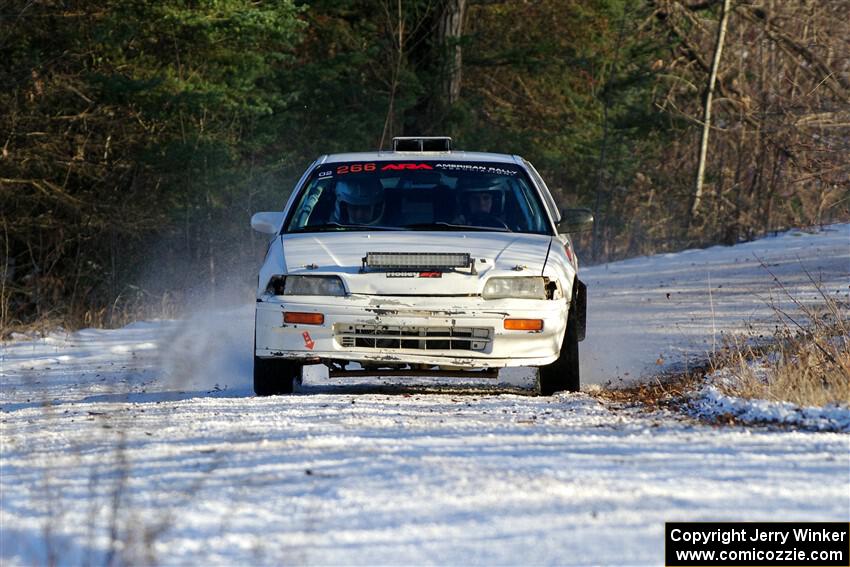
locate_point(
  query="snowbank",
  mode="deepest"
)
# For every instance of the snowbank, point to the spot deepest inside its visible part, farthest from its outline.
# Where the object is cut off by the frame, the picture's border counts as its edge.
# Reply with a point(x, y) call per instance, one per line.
point(710, 403)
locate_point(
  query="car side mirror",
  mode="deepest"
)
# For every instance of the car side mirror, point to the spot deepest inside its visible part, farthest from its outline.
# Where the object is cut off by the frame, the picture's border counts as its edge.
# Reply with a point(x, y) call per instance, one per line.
point(267, 223)
point(575, 220)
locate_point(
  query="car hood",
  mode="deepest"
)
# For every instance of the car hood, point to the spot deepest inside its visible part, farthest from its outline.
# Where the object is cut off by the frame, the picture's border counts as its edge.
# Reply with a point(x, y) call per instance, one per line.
point(342, 253)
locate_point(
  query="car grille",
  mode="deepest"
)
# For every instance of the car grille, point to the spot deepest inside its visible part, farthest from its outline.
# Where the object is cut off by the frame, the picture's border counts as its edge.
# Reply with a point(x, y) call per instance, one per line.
point(417, 338)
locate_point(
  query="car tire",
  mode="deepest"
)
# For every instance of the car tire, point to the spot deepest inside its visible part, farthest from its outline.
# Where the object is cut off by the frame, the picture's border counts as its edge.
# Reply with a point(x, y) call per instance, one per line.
point(563, 374)
point(275, 376)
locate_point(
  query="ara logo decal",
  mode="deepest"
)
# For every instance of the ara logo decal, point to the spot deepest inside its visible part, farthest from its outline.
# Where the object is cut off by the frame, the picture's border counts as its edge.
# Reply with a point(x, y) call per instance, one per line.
point(430, 274)
point(402, 166)
point(308, 340)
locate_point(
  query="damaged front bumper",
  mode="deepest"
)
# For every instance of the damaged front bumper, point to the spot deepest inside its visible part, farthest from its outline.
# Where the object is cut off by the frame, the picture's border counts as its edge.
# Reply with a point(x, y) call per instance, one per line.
point(394, 331)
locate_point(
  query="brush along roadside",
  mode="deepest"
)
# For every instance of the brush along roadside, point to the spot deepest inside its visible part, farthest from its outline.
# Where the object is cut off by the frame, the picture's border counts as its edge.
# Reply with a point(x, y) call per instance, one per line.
point(807, 362)
point(801, 378)
point(798, 378)
point(136, 304)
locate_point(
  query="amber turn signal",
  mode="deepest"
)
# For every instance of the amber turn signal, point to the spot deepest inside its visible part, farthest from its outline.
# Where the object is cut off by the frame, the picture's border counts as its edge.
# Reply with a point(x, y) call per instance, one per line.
point(294, 317)
point(524, 324)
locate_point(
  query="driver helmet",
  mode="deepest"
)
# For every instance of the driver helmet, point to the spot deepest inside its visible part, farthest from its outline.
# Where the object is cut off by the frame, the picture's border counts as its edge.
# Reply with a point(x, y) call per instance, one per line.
point(478, 186)
point(359, 201)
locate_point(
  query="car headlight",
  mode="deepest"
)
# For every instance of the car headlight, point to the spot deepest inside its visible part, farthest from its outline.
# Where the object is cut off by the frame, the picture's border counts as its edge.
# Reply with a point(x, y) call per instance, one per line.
point(516, 287)
point(306, 285)
point(313, 285)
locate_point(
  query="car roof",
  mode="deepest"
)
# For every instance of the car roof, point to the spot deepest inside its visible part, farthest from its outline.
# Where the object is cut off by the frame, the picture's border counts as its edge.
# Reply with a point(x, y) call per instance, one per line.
point(445, 156)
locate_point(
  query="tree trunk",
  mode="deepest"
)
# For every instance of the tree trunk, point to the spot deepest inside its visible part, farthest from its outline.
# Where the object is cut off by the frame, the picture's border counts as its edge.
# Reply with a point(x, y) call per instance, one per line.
point(439, 64)
point(706, 126)
point(449, 32)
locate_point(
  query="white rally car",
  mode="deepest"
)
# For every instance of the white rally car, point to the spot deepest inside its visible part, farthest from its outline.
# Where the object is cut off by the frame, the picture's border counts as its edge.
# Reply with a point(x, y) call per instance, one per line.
point(422, 260)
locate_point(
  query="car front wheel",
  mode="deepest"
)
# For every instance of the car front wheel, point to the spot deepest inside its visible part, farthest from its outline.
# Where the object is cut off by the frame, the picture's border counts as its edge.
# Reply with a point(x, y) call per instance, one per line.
point(563, 374)
point(275, 376)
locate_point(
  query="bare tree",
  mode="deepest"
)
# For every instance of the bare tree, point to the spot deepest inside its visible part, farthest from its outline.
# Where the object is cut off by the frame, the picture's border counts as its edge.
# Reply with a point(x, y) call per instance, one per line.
point(709, 94)
point(434, 53)
point(449, 32)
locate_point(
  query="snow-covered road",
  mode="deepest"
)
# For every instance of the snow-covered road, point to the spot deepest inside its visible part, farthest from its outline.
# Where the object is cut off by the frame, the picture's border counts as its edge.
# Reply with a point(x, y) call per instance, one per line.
point(146, 443)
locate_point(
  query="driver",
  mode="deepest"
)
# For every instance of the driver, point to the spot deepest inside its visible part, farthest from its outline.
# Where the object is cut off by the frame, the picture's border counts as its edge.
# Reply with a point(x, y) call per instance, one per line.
point(359, 201)
point(479, 201)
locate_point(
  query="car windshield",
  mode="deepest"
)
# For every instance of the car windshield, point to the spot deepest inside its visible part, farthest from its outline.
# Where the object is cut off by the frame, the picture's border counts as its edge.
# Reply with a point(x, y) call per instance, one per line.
point(419, 195)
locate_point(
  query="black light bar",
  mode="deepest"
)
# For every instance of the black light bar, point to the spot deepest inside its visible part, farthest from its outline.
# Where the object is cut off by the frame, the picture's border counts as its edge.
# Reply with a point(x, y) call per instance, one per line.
point(422, 144)
point(417, 260)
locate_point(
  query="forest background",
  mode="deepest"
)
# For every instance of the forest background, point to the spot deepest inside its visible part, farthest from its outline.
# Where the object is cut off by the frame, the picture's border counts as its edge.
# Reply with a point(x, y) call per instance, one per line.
point(138, 136)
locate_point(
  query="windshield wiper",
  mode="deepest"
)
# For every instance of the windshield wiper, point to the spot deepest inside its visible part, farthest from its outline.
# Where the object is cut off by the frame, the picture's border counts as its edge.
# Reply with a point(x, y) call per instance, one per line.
point(328, 226)
point(449, 226)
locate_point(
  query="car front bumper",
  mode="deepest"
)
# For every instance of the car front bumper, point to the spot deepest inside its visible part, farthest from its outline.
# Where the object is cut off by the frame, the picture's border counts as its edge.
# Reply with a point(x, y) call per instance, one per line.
point(456, 332)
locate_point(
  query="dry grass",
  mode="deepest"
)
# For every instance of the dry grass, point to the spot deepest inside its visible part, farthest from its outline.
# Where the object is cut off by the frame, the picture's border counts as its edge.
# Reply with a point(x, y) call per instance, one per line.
point(123, 311)
point(806, 368)
point(806, 363)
